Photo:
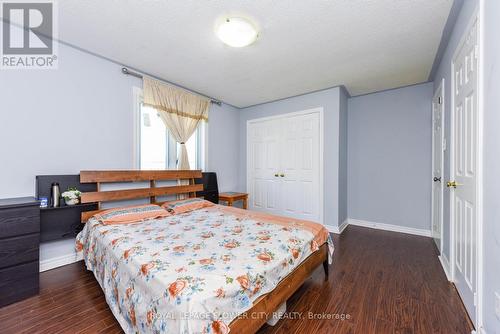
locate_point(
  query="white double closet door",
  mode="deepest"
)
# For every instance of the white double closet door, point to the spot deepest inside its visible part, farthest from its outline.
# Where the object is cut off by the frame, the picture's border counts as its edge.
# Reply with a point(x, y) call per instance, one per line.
point(283, 165)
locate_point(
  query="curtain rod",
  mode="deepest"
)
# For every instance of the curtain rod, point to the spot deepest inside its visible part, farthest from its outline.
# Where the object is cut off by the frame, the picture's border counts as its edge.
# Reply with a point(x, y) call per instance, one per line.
point(126, 71)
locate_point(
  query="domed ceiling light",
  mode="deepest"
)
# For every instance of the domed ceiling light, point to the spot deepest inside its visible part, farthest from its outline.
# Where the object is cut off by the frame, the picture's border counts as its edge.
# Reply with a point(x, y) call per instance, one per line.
point(236, 32)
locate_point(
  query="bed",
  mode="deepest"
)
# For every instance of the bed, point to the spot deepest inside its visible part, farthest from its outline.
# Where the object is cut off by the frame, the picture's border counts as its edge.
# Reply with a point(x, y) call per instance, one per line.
point(212, 269)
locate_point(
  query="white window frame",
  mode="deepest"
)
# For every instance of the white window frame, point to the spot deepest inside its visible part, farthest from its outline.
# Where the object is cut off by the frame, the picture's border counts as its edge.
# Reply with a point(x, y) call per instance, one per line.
point(202, 139)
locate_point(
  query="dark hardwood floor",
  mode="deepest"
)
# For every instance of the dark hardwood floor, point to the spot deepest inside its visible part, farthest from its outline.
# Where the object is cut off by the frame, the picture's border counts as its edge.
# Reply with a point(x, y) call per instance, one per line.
point(385, 282)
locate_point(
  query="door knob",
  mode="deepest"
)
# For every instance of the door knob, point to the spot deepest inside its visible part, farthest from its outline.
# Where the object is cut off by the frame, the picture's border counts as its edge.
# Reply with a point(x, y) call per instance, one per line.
point(453, 184)
point(437, 179)
point(276, 175)
point(282, 175)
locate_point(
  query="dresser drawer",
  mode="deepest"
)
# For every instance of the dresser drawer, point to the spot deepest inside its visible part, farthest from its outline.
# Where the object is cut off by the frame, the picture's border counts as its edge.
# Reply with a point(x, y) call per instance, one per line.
point(18, 282)
point(18, 221)
point(19, 250)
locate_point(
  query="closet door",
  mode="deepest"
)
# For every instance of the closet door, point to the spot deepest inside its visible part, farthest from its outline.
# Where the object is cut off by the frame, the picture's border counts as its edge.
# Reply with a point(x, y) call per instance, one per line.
point(284, 165)
point(263, 166)
point(299, 167)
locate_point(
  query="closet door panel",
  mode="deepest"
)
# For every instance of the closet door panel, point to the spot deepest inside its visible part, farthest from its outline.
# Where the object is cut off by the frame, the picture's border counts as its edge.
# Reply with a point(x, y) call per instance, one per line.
point(263, 165)
point(300, 166)
point(290, 165)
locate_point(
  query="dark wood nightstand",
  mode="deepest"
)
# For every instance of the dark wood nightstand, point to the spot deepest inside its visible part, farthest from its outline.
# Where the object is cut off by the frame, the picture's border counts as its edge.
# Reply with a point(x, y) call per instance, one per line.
point(19, 248)
point(231, 197)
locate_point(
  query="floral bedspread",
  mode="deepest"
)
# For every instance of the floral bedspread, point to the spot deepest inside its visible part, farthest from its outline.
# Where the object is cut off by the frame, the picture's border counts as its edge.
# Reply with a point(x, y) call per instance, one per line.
point(193, 272)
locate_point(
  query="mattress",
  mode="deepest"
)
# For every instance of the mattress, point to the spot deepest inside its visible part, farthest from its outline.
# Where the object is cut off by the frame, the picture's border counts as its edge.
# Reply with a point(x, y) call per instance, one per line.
point(194, 272)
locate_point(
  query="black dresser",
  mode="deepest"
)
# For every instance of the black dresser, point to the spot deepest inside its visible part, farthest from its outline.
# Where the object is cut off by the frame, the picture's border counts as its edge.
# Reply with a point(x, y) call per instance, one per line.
point(19, 248)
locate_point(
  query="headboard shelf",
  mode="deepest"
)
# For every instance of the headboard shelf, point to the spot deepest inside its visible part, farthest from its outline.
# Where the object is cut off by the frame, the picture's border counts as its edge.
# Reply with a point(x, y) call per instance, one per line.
point(64, 221)
point(64, 206)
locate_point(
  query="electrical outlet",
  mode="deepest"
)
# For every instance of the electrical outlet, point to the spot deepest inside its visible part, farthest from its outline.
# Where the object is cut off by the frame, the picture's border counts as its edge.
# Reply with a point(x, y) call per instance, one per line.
point(497, 304)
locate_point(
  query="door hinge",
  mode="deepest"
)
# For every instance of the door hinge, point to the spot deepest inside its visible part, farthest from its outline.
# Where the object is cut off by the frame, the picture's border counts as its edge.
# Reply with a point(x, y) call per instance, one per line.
point(475, 298)
point(439, 100)
point(476, 51)
point(444, 144)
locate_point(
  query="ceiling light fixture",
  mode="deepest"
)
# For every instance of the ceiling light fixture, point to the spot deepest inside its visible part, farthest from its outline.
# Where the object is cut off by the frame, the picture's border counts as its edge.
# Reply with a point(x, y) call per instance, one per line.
point(237, 32)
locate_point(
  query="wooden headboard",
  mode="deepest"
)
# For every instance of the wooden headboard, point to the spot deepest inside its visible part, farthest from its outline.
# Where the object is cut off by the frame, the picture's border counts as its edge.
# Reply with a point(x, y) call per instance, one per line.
point(151, 176)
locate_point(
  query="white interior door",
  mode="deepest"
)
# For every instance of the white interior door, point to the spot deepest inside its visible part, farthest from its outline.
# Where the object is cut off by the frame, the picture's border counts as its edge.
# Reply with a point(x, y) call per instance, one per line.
point(264, 164)
point(437, 164)
point(464, 167)
point(299, 171)
point(284, 165)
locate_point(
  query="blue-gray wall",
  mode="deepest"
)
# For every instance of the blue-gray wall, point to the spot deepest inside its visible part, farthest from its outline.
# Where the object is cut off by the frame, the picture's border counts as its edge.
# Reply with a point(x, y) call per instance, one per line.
point(329, 100)
point(343, 187)
point(444, 71)
point(223, 145)
point(389, 157)
point(79, 116)
point(491, 167)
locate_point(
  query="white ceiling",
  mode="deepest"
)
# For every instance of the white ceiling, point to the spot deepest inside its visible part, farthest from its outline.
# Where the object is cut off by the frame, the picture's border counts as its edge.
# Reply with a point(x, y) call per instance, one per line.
point(304, 46)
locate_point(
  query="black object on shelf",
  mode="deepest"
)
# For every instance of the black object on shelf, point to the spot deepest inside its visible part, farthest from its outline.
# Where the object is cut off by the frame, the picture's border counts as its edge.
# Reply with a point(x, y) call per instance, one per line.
point(19, 249)
point(210, 188)
point(63, 221)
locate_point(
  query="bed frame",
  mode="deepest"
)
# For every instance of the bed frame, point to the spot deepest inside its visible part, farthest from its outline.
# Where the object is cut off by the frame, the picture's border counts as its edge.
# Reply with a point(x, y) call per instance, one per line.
point(266, 304)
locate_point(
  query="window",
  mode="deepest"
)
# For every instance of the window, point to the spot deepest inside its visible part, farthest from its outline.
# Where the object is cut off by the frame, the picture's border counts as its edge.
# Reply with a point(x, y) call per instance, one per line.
point(156, 148)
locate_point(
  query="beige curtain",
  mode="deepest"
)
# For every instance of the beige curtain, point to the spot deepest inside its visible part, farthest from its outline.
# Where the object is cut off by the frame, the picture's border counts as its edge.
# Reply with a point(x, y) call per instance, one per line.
point(180, 110)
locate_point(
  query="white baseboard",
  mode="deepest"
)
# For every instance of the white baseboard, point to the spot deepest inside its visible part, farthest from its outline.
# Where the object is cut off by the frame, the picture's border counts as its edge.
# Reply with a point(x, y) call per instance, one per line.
point(337, 229)
point(60, 261)
point(332, 229)
point(446, 265)
point(378, 226)
point(389, 227)
point(343, 226)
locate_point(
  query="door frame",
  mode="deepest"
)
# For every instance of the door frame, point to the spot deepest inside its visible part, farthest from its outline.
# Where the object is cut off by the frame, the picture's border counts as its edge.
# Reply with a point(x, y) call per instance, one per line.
point(476, 17)
point(319, 111)
point(441, 92)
